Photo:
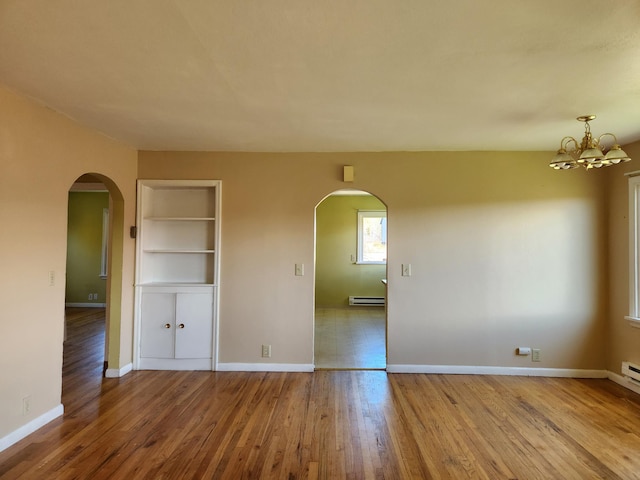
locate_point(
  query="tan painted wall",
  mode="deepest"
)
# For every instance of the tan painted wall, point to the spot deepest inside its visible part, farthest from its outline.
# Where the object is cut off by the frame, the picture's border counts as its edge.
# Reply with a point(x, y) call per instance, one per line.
point(84, 247)
point(505, 252)
point(41, 155)
point(624, 340)
point(337, 276)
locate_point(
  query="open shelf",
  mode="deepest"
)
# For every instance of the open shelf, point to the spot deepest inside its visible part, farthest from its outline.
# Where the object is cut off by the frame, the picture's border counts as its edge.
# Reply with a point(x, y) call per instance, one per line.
point(181, 219)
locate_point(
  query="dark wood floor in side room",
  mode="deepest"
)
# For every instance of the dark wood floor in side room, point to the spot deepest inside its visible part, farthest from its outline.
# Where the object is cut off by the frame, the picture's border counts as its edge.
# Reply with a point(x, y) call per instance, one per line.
point(327, 424)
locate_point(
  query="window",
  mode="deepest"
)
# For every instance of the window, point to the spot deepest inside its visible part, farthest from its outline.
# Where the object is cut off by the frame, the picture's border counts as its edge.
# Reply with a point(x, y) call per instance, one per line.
point(372, 236)
point(634, 251)
point(105, 242)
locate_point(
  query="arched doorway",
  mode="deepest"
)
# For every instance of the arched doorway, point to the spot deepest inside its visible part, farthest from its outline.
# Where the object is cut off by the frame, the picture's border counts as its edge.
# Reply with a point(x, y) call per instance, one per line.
point(350, 281)
point(111, 254)
point(86, 275)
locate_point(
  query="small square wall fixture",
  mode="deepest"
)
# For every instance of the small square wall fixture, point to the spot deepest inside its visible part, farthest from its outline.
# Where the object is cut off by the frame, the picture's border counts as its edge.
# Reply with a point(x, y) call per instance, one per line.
point(348, 173)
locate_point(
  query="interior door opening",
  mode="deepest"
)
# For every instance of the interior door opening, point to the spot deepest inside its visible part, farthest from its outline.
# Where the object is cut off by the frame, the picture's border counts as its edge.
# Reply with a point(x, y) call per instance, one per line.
point(86, 269)
point(108, 248)
point(350, 324)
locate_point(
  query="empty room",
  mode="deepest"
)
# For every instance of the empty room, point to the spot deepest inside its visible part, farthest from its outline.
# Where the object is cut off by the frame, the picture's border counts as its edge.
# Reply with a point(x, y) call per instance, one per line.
point(319, 239)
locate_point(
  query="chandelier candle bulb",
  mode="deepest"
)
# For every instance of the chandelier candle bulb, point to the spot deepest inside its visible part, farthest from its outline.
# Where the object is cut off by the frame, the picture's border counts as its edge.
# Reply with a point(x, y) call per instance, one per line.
point(589, 153)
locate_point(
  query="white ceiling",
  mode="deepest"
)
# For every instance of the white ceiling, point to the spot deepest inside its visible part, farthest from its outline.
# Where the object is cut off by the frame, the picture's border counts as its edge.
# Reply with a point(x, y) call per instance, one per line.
point(329, 75)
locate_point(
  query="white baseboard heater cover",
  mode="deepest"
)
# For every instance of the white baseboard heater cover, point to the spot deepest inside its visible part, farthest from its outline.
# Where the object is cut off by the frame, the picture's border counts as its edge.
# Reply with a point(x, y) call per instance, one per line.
point(366, 301)
point(631, 370)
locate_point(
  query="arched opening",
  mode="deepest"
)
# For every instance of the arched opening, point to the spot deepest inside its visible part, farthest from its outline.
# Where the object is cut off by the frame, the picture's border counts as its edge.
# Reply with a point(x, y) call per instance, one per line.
point(350, 322)
point(93, 287)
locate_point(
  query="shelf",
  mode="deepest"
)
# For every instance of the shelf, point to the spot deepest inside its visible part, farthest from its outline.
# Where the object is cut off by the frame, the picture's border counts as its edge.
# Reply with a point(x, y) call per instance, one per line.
point(178, 232)
point(175, 284)
point(176, 250)
point(181, 219)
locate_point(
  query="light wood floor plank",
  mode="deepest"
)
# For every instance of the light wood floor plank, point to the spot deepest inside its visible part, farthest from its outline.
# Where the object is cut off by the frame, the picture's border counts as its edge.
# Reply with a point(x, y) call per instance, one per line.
point(324, 425)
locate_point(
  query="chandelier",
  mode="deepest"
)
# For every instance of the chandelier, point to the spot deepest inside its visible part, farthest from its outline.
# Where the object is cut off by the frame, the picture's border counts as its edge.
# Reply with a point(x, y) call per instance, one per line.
point(589, 153)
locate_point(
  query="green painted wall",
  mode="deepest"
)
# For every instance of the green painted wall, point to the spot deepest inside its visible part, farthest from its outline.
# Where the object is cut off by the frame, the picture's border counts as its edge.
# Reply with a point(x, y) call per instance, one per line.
point(337, 276)
point(84, 244)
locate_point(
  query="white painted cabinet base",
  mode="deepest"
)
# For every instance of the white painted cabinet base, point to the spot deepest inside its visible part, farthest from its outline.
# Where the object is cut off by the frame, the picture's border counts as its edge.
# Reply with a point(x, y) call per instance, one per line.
point(175, 364)
point(176, 326)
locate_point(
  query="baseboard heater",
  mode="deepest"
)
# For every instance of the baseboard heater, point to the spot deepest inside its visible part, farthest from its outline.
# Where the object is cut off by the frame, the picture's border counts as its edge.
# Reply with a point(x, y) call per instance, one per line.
point(366, 301)
point(631, 371)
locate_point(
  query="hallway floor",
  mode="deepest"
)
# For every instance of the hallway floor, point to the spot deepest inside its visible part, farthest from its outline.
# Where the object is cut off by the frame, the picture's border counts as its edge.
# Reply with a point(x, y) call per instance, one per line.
point(350, 338)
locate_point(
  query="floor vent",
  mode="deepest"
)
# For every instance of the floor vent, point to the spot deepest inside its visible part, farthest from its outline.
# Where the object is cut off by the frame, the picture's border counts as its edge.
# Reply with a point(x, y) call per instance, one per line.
point(631, 371)
point(366, 301)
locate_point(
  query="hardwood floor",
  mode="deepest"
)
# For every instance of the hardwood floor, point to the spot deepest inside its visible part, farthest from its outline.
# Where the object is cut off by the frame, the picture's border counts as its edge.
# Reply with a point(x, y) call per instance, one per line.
point(327, 424)
point(353, 337)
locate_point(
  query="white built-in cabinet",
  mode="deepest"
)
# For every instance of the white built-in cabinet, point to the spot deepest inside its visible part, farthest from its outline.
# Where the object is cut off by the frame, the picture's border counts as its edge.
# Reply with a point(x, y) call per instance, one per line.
point(177, 245)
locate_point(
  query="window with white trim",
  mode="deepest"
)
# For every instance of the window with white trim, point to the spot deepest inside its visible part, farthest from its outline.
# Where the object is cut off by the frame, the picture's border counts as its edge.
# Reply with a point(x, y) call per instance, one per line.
point(634, 251)
point(372, 237)
point(105, 242)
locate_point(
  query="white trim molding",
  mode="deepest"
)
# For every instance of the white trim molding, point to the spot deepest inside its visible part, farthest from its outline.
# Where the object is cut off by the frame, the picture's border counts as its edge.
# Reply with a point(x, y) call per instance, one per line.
point(29, 428)
point(265, 367)
point(633, 321)
point(489, 370)
point(626, 382)
point(118, 372)
point(85, 305)
point(634, 250)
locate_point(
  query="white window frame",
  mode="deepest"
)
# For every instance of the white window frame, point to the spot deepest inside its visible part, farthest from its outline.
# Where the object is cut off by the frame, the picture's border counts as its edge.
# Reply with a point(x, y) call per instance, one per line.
point(361, 215)
point(634, 250)
point(104, 258)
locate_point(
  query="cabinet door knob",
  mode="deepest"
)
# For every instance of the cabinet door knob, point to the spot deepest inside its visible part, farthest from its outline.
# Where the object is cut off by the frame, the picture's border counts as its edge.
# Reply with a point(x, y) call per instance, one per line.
point(166, 325)
point(181, 325)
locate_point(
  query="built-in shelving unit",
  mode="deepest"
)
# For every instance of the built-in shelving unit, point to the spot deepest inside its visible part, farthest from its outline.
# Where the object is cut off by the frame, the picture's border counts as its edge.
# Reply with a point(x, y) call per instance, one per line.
point(177, 263)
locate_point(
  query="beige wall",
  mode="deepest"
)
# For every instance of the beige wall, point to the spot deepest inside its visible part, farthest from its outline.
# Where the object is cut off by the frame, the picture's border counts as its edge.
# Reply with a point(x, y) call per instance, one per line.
point(624, 340)
point(337, 276)
point(41, 155)
point(505, 252)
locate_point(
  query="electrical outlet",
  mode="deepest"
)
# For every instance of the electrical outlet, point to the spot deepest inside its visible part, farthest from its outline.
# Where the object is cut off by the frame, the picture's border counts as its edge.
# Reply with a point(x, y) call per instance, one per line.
point(95, 296)
point(266, 351)
point(535, 354)
point(52, 278)
point(26, 405)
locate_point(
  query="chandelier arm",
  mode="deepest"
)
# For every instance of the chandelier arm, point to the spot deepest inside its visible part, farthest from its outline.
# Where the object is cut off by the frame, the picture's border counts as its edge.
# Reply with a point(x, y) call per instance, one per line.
point(564, 145)
point(615, 139)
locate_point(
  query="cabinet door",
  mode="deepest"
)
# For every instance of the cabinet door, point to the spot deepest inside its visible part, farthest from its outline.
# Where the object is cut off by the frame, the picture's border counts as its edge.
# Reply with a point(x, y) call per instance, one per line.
point(156, 338)
point(194, 329)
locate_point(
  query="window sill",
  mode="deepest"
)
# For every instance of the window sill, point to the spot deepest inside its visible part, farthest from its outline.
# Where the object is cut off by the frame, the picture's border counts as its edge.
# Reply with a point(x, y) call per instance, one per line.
point(370, 263)
point(633, 321)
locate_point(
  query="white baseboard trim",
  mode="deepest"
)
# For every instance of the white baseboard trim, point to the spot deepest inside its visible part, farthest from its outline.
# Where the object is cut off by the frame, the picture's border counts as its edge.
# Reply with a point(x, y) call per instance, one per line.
point(625, 382)
point(85, 305)
point(118, 372)
point(487, 370)
point(265, 367)
point(29, 428)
